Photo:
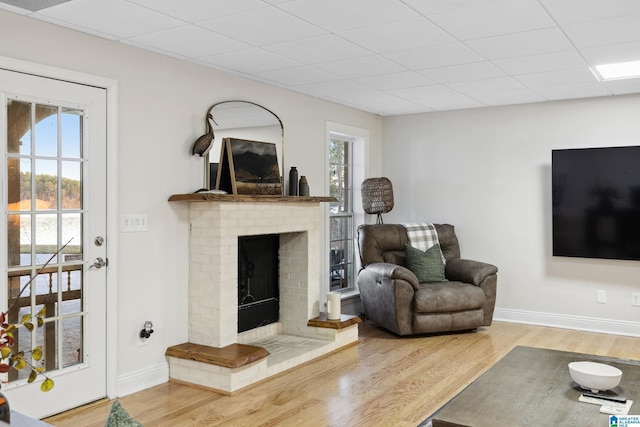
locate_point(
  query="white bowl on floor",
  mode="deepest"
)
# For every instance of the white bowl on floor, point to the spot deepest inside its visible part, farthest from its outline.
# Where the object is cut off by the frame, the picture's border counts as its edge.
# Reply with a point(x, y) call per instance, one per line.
point(595, 376)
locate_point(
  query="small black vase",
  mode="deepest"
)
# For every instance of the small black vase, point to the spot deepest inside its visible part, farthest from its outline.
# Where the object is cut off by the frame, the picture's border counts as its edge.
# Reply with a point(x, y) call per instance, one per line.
point(293, 181)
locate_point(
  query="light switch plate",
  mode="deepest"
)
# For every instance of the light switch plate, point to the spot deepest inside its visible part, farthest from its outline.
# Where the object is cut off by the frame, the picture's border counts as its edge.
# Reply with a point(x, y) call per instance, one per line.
point(134, 223)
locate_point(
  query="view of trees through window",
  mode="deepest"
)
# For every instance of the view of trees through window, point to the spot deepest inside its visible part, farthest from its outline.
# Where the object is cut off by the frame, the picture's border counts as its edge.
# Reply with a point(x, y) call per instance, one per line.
point(341, 213)
point(47, 191)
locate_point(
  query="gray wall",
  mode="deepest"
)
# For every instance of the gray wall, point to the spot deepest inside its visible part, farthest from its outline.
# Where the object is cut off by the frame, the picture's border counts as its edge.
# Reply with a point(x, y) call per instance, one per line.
point(488, 172)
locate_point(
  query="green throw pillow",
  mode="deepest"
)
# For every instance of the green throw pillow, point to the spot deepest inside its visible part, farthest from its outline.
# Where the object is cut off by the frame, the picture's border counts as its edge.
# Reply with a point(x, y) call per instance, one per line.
point(427, 266)
point(118, 417)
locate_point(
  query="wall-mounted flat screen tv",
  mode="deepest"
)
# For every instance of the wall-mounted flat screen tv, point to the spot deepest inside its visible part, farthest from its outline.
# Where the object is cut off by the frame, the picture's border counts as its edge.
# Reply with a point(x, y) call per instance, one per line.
point(596, 202)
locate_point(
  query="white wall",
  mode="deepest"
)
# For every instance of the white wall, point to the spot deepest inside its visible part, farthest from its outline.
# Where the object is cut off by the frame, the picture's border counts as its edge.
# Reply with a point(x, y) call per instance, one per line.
point(161, 107)
point(488, 172)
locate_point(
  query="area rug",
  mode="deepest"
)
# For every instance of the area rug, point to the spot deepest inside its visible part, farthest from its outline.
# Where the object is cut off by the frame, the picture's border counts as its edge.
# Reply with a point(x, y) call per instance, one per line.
point(532, 387)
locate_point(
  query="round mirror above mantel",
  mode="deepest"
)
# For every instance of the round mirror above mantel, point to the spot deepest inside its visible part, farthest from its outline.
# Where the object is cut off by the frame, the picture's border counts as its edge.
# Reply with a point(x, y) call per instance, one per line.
point(243, 120)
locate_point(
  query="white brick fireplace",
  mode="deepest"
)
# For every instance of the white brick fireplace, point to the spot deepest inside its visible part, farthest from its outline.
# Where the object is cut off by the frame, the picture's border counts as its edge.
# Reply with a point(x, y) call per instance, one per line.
point(213, 288)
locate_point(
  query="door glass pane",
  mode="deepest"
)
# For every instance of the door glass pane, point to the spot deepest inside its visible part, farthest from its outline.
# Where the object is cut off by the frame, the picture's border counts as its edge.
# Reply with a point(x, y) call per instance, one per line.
point(46, 134)
point(44, 213)
point(70, 192)
point(46, 184)
point(18, 127)
point(71, 133)
point(19, 191)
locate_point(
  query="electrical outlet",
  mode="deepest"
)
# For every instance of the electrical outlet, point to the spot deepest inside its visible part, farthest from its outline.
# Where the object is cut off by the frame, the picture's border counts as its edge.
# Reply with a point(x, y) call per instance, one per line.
point(134, 222)
point(141, 340)
point(635, 299)
point(601, 297)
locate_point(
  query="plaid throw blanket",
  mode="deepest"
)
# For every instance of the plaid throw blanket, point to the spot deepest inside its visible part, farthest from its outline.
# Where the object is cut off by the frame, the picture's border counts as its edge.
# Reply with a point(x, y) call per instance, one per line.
point(422, 235)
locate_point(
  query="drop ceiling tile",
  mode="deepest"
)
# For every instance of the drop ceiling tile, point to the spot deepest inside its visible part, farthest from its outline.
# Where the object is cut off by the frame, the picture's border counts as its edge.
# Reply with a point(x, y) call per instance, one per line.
point(313, 50)
point(433, 7)
point(382, 103)
point(605, 32)
point(296, 76)
point(249, 61)
point(200, 10)
point(573, 91)
point(623, 87)
point(558, 78)
point(340, 15)
point(575, 11)
point(494, 19)
point(487, 85)
point(340, 89)
point(437, 97)
point(463, 72)
point(117, 18)
point(263, 27)
point(521, 44)
point(154, 49)
point(399, 80)
point(189, 41)
point(408, 34)
point(539, 63)
point(435, 56)
point(508, 97)
point(623, 52)
point(371, 65)
point(454, 101)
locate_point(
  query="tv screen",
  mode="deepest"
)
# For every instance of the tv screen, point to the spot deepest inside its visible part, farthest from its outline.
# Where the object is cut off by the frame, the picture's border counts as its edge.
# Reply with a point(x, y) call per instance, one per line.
point(596, 202)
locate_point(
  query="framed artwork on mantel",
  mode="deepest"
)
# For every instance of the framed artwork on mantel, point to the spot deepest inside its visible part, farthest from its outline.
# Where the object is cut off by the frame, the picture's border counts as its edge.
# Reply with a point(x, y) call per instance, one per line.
point(248, 167)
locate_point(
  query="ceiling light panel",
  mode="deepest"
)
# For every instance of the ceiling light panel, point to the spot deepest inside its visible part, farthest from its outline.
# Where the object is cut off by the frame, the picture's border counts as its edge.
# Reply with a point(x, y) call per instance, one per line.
point(620, 70)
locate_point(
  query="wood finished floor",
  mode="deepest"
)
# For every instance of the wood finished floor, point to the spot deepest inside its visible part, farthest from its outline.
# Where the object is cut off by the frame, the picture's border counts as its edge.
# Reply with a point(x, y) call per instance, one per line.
point(383, 381)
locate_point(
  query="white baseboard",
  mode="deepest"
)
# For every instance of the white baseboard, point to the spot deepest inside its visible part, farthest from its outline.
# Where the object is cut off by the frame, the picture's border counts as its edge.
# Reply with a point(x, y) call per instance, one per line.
point(143, 379)
point(590, 324)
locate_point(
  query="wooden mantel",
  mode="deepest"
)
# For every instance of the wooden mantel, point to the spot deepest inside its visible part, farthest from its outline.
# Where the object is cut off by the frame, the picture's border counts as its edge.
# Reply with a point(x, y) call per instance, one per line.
point(209, 197)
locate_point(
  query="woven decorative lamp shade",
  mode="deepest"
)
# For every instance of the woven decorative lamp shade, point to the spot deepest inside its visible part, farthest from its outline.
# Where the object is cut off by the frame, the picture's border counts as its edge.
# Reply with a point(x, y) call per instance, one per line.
point(377, 196)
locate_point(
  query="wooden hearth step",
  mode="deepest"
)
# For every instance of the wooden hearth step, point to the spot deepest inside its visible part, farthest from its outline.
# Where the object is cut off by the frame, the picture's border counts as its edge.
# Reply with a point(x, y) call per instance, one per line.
point(345, 321)
point(231, 356)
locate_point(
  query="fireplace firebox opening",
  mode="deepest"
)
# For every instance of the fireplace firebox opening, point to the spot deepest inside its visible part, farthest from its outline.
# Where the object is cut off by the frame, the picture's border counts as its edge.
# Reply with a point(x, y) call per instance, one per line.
point(258, 281)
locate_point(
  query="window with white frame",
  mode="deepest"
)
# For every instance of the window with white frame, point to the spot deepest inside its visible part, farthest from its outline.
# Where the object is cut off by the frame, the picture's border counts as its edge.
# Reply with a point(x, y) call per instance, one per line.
point(341, 213)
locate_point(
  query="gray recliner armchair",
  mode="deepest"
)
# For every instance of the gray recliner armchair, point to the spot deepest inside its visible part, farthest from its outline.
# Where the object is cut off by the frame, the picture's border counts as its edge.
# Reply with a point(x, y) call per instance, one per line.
point(393, 297)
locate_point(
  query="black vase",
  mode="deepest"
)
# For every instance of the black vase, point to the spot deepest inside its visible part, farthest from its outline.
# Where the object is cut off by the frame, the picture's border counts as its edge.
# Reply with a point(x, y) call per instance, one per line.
point(293, 181)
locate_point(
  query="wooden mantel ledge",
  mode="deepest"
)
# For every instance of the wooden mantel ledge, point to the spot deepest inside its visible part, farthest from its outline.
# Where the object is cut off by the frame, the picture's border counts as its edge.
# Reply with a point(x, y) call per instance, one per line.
point(208, 197)
point(231, 356)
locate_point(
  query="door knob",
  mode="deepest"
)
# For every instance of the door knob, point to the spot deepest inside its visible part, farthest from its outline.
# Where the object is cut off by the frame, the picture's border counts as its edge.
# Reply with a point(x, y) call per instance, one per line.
point(99, 263)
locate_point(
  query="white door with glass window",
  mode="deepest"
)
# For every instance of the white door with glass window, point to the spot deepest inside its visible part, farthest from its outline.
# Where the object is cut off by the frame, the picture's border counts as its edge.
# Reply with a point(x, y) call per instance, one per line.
point(53, 190)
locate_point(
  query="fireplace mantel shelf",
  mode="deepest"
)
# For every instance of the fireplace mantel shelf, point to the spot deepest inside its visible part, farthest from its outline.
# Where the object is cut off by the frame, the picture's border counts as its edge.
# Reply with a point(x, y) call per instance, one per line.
point(209, 197)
